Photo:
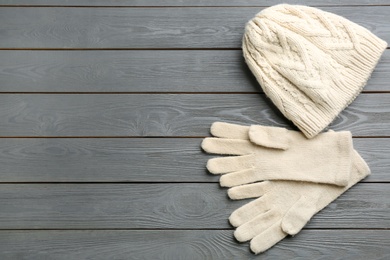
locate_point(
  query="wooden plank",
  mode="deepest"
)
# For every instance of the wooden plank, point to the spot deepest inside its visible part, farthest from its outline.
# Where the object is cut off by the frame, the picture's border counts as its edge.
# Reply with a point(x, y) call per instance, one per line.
point(165, 115)
point(181, 205)
point(134, 160)
point(140, 71)
point(216, 27)
point(185, 2)
point(189, 244)
point(374, 152)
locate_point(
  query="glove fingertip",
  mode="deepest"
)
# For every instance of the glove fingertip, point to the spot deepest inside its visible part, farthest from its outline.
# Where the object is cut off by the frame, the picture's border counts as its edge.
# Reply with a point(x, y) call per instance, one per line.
point(215, 127)
point(289, 228)
point(225, 181)
point(211, 167)
point(232, 193)
point(234, 221)
point(240, 237)
point(256, 249)
point(207, 144)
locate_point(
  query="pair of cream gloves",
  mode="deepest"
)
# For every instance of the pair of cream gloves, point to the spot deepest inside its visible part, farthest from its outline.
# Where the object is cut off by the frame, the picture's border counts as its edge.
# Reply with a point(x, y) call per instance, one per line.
point(291, 177)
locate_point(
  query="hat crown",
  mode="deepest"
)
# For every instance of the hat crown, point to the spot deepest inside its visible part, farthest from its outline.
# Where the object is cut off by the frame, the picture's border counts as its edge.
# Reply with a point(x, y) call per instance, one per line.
point(311, 63)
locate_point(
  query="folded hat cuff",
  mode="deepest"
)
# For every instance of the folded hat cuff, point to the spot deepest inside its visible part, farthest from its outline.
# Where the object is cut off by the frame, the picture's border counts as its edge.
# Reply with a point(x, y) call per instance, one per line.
point(312, 119)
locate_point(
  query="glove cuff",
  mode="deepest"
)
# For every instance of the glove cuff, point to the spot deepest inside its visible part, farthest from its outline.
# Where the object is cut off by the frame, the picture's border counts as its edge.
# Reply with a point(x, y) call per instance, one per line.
point(345, 149)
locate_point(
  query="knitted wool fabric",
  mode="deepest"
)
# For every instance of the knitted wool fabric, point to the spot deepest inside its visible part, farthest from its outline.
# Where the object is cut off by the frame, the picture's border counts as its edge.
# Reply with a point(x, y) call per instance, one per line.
point(310, 63)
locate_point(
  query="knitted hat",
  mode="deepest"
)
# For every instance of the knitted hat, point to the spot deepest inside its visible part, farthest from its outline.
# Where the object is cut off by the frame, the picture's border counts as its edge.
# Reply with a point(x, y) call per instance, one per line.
point(310, 63)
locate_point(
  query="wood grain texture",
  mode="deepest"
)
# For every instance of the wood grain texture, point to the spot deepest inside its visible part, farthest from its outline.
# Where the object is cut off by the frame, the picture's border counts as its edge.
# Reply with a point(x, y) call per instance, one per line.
point(216, 27)
point(165, 114)
point(134, 160)
point(169, 207)
point(170, 3)
point(140, 71)
point(189, 244)
point(181, 206)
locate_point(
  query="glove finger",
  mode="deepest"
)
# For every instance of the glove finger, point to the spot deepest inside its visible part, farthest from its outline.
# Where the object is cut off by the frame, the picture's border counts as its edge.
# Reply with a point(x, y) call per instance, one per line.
point(256, 226)
point(232, 131)
point(249, 191)
point(240, 177)
point(270, 136)
point(299, 214)
point(229, 164)
point(269, 171)
point(250, 210)
point(267, 239)
point(227, 146)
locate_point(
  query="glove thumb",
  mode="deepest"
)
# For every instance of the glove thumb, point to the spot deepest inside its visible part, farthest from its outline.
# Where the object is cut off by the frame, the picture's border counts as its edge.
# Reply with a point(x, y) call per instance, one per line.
point(270, 137)
point(298, 215)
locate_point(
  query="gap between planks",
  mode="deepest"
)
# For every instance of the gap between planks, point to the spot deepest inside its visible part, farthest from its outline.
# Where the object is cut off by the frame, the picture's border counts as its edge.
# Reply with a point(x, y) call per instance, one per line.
point(153, 229)
point(174, 6)
point(138, 182)
point(123, 49)
point(145, 137)
point(157, 93)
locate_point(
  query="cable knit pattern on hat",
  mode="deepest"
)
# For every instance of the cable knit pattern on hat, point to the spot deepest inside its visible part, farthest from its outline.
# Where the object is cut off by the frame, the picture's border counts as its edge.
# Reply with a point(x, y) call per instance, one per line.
point(310, 63)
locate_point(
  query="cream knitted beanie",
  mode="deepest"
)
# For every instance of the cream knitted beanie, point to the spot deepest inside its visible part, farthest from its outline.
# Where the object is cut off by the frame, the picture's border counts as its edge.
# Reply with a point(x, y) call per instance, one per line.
point(310, 63)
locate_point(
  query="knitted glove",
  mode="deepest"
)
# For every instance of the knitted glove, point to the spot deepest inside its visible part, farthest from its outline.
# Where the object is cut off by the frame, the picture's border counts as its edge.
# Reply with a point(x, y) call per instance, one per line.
point(284, 206)
point(273, 153)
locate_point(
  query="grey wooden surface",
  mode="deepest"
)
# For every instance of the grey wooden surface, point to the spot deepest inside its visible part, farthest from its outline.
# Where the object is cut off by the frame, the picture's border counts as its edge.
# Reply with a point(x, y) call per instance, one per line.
point(103, 106)
point(170, 3)
point(155, 160)
point(193, 244)
point(142, 28)
point(165, 205)
point(140, 71)
point(168, 115)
